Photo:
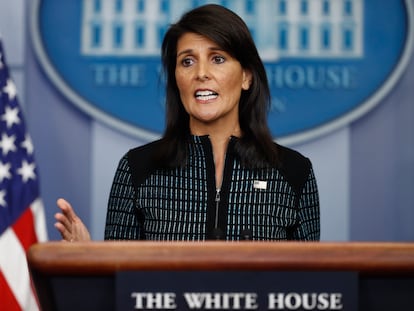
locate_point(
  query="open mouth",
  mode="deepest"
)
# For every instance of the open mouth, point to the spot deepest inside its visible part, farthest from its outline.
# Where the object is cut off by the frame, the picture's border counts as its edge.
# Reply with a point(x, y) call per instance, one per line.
point(205, 95)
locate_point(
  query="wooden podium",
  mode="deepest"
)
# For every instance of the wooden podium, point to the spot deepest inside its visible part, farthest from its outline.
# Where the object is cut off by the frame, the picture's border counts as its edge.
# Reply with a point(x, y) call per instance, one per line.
point(80, 276)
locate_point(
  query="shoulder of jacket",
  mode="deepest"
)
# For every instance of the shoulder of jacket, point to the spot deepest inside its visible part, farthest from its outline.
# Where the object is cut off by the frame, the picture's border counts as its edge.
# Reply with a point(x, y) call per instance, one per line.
point(141, 161)
point(295, 167)
point(141, 152)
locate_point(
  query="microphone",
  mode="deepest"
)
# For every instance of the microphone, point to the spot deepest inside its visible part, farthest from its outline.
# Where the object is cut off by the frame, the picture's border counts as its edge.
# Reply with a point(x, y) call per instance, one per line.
point(218, 234)
point(246, 235)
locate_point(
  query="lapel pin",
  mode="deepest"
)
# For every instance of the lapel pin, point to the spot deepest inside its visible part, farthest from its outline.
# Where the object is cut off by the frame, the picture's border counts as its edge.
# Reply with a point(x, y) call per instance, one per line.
point(260, 184)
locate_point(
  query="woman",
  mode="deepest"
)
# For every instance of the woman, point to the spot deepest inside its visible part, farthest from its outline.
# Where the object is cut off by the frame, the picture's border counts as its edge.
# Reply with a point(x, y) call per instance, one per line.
point(216, 172)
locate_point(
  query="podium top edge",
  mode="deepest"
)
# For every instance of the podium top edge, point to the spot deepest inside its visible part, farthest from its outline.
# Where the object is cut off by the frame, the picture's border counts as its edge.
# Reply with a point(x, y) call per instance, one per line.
point(107, 257)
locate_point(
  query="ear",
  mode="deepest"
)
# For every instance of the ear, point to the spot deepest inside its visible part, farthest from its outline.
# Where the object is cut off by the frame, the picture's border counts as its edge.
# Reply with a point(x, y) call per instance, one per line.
point(247, 79)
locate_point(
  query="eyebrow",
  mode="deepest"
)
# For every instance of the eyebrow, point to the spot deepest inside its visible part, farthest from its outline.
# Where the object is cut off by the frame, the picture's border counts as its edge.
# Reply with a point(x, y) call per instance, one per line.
point(189, 51)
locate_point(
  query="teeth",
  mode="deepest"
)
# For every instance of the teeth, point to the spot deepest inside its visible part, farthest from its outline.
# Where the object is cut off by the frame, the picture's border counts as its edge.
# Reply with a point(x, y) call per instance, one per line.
point(206, 95)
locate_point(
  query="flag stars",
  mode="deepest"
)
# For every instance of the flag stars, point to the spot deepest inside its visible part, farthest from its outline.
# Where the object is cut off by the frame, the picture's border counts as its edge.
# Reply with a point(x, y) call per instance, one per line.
point(2, 198)
point(27, 171)
point(10, 89)
point(7, 143)
point(5, 171)
point(27, 144)
point(11, 116)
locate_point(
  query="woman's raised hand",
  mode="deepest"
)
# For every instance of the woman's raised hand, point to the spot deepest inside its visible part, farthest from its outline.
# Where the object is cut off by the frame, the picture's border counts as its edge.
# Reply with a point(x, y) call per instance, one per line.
point(69, 225)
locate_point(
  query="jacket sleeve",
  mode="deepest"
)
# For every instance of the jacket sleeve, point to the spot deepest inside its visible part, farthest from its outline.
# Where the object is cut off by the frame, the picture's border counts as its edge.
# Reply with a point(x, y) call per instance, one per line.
point(122, 218)
point(308, 221)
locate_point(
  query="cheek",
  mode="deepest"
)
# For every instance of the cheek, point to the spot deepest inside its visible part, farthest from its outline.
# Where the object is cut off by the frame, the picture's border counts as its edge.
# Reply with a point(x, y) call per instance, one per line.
point(235, 80)
point(181, 81)
point(177, 78)
point(183, 88)
point(235, 86)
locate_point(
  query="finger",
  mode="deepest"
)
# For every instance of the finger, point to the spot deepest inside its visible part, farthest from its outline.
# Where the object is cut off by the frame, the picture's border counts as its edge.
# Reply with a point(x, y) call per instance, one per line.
point(64, 233)
point(63, 219)
point(66, 209)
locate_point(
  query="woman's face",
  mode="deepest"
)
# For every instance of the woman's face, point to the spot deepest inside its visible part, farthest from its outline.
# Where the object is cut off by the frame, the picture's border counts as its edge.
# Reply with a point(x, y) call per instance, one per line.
point(209, 80)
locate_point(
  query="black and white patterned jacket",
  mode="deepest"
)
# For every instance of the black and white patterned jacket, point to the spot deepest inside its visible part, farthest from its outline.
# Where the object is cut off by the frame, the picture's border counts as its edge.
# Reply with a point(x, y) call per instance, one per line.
point(147, 202)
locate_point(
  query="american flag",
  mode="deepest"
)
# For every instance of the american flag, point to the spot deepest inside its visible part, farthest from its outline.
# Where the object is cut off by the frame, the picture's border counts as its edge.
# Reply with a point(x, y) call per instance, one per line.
point(22, 220)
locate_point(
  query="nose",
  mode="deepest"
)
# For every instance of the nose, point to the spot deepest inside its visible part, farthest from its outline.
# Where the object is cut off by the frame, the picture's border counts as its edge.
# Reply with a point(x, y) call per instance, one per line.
point(202, 72)
point(203, 77)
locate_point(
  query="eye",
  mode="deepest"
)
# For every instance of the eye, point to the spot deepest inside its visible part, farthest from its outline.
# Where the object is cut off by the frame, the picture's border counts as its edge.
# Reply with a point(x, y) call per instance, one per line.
point(218, 59)
point(187, 61)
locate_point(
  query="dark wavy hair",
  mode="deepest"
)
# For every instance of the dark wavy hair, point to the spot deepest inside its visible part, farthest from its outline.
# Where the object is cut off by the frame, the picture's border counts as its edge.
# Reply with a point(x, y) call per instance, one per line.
point(219, 24)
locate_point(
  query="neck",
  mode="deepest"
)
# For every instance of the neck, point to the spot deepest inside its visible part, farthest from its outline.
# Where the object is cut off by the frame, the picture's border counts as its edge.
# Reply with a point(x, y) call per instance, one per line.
point(219, 142)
